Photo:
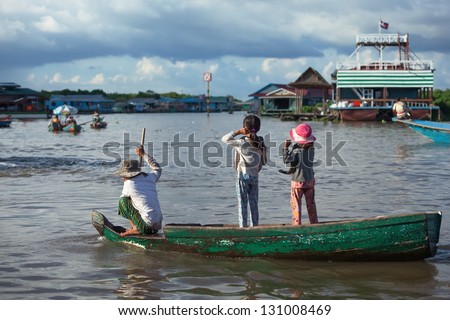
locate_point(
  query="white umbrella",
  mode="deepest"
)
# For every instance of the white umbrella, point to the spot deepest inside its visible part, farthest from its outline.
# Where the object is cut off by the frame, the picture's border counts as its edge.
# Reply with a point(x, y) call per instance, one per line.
point(65, 109)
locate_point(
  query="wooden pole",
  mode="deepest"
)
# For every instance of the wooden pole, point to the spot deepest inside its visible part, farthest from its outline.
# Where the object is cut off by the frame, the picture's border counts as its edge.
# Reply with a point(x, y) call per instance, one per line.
point(207, 99)
point(142, 144)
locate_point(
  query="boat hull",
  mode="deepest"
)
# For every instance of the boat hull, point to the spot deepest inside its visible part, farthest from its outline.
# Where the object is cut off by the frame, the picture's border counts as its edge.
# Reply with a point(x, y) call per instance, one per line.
point(358, 114)
point(435, 131)
point(420, 114)
point(5, 123)
point(379, 113)
point(73, 128)
point(387, 238)
point(100, 125)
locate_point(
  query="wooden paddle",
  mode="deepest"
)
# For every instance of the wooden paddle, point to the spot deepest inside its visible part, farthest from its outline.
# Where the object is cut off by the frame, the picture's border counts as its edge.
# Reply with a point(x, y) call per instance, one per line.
point(81, 124)
point(142, 144)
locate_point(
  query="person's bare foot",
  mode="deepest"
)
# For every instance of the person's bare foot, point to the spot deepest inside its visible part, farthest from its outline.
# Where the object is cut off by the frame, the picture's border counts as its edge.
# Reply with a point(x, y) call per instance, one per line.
point(130, 232)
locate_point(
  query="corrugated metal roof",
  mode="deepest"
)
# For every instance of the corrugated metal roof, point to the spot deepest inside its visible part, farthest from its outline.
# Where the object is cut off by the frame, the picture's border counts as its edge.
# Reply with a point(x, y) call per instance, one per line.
point(80, 97)
point(9, 85)
point(268, 88)
point(16, 91)
point(309, 79)
point(142, 100)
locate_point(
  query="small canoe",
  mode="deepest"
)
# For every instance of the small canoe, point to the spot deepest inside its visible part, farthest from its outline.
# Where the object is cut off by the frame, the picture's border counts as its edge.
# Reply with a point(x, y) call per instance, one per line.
point(99, 125)
point(435, 131)
point(5, 120)
point(53, 127)
point(5, 123)
point(388, 238)
point(72, 127)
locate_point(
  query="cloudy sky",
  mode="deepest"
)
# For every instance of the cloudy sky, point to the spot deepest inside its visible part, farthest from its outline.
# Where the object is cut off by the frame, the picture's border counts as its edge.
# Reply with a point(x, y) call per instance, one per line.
point(128, 46)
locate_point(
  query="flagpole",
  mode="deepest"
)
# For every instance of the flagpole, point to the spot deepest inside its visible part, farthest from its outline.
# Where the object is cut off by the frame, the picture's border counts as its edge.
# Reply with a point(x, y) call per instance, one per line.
point(380, 52)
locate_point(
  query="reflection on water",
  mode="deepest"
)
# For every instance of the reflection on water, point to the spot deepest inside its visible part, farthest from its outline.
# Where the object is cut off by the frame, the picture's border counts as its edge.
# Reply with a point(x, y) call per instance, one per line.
point(145, 275)
point(49, 184)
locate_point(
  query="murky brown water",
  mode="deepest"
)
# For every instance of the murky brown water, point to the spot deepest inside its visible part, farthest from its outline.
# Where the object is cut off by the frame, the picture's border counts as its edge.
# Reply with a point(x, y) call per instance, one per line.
point(49, 183)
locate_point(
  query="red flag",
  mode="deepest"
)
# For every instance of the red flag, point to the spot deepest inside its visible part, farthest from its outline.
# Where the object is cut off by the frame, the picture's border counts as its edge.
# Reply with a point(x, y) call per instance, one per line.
point(384, 25)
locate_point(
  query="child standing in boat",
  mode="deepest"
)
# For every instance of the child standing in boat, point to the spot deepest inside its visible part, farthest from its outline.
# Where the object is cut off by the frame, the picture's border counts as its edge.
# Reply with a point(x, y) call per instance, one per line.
point(249, 157)
point(299, 155)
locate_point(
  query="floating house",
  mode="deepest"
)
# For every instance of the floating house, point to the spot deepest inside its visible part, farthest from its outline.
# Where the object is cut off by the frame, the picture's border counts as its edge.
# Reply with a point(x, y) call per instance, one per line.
point(310, 89)
point(197, 104)
point(84, 103)
point(14, 99)
point(192, 104)
point(221, 103)
point(146, 105)
point(380, 70)
point(274, 99)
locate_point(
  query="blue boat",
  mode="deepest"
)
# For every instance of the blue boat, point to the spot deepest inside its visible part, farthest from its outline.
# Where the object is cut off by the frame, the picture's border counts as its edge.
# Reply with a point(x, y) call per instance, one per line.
point(435, 131)
point(5, 120)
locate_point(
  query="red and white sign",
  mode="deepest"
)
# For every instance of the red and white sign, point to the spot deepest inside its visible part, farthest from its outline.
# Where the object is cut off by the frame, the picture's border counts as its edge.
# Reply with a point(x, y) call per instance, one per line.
point(207, 76)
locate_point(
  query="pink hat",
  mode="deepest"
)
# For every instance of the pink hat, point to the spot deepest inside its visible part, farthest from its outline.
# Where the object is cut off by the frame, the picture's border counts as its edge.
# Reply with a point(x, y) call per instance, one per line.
point(302, 134)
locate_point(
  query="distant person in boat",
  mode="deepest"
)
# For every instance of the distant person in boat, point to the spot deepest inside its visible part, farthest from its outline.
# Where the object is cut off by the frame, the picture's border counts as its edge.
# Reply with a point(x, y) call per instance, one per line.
point(95, 119)
point(139, 200)
point(56, 123)
point(298, 153)
point(67, 117)
point(70, 119)
point(400, 110)
point(249, 157)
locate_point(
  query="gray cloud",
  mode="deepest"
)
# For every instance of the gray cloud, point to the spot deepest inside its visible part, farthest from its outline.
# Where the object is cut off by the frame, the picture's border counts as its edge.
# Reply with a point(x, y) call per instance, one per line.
point(35, 34)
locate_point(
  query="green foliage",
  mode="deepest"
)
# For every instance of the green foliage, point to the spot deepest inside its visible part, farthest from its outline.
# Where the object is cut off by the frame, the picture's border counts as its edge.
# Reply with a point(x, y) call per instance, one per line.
point(312, 109)
point(175, 95)
point(441, 98)
point(309, 109)
point(118, 97)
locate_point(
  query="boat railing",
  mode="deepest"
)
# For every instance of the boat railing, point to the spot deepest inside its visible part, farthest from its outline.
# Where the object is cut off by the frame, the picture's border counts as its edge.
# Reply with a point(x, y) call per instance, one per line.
point(386, 65)
point(393, 39)
point(377, 103)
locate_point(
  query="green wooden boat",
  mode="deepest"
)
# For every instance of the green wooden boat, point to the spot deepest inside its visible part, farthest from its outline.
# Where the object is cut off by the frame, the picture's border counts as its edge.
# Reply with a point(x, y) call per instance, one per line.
point(386, 238)
point(72, 127)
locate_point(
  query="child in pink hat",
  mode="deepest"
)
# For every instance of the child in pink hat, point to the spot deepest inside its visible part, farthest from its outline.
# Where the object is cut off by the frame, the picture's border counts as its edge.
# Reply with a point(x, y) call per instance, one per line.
point(299, 155)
